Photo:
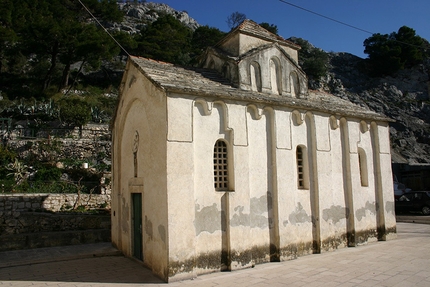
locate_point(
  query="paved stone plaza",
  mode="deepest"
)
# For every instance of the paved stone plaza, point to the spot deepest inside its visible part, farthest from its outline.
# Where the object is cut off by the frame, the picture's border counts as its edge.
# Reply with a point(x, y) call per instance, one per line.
point(401, 262)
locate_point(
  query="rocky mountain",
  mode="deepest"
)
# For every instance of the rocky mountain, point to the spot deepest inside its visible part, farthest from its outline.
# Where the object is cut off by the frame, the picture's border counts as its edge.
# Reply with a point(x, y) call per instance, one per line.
point(138, 15)
point(404, 97)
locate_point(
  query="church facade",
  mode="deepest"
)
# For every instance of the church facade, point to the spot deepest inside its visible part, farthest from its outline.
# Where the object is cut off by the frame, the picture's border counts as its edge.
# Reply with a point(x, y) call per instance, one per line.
point(237, 163)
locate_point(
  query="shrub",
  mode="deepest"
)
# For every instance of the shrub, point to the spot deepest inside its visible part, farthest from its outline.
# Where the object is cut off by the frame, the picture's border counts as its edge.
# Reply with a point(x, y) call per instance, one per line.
point(47, 173)
point(75, 112)
point(313, 61)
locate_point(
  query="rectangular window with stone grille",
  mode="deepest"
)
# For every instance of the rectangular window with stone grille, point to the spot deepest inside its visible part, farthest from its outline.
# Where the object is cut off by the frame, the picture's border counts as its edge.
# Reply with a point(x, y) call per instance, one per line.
point(300, 176)
point(302, 168)
point(220, 165)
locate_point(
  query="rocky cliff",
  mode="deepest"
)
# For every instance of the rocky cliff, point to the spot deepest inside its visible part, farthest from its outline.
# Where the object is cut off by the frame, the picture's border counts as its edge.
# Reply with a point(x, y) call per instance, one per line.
point(404, 97)
point(138, 15)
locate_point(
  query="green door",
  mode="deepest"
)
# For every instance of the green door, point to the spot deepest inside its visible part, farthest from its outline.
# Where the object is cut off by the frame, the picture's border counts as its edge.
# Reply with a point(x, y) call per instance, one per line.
point(137, 225)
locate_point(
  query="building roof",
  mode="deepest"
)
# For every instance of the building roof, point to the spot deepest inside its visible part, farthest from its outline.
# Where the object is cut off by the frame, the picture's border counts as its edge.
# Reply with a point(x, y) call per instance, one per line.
point(251, 28)
point(208, 83)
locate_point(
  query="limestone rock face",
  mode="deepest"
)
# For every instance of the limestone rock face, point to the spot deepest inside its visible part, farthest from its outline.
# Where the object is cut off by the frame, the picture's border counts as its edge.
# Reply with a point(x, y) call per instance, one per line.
point(138, 15)
point(403, 97)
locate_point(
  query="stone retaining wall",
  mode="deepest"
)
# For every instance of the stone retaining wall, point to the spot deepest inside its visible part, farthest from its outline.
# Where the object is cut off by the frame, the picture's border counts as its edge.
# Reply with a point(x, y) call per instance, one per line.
point(21, 227)
point(19, 202)
point(25, 230)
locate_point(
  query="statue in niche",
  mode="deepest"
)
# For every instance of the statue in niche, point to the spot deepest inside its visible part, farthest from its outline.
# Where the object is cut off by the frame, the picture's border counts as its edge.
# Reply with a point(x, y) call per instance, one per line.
point(135, 149)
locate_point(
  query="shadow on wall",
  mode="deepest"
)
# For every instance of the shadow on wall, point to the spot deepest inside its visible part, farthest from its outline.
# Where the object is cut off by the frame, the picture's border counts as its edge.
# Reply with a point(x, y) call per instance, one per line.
point(28, 221)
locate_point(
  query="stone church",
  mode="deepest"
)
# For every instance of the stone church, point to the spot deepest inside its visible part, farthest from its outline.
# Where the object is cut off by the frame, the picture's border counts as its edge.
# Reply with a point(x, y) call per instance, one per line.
point(237, 163)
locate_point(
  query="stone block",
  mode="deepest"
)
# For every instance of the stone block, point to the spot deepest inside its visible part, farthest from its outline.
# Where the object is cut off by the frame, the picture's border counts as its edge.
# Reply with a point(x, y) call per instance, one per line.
point(11, 222)
point(35, 205)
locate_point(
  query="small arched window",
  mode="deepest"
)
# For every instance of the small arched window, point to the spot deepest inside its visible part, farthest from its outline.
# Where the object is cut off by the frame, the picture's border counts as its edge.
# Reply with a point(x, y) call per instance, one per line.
point(226, 71)
point(211, 65)
point(255, 73)
point(362, 163)
point(294, 85)
point(302, 168)
point(221, 166)
point(275, 76)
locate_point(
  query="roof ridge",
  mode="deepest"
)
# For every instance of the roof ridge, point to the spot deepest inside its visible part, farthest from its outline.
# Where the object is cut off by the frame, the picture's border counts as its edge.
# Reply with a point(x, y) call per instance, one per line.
point(257, 30)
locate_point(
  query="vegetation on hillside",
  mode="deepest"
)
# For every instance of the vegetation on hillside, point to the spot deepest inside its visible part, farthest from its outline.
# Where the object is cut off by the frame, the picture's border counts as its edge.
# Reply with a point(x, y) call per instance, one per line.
point(53, 49)
point(313, 61)
point(389, 53)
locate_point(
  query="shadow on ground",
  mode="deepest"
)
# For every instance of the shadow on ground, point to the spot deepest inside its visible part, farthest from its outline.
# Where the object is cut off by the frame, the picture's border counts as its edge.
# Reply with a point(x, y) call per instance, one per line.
point(111, 269)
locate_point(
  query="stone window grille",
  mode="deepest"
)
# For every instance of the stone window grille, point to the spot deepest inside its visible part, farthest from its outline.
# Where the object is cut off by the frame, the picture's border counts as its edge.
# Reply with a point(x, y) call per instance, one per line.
point(302, 168)
point(220, 165)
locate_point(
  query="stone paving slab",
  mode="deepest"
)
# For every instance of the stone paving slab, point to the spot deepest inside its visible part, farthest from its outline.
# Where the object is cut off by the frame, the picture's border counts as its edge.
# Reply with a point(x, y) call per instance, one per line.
point(53, 254)
point(404, 261)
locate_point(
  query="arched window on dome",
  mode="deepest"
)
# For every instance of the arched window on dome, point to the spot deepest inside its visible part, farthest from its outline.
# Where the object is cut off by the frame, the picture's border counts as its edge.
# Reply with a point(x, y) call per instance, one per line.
point(275, 76)
point(255, 73)
point(362, 164)
point(294, 85)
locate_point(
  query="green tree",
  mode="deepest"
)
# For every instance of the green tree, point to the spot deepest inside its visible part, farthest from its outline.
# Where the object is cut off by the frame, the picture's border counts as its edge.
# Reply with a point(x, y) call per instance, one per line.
point(313, 61)
point(389, 53)
point(166, 39)
point(89, 46)
point(75, 112)
point(205, 36)
point(270, 27)
point(55, 32)
point(8, 36)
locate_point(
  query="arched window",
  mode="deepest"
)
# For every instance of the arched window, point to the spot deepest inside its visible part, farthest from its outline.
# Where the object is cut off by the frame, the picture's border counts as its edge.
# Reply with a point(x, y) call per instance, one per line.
point(226, 71)
point(362, 163)
point(294, 85)
point(302, 168)
point(275, 76)
point(255, 74)
point(212, 65)
point(221, 166)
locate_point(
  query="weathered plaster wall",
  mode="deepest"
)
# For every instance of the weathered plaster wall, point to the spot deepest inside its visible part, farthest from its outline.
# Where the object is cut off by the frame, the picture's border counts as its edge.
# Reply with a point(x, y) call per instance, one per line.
point(141, 112)
point(180, 186)
point(286, 67)
point(210, 218)
point(231, 45)
point(189, 228)
point(260, 182)
point(247, 43)
point(265, 216)
point(383, 186)
point(332, 197)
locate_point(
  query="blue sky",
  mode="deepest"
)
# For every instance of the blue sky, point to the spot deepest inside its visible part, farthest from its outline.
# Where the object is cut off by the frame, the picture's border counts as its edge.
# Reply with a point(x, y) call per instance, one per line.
point(376, 16)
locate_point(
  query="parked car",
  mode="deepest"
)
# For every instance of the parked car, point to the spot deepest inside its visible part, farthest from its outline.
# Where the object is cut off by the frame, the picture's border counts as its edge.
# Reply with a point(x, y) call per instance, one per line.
point(399, 189)
point(414, 201)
